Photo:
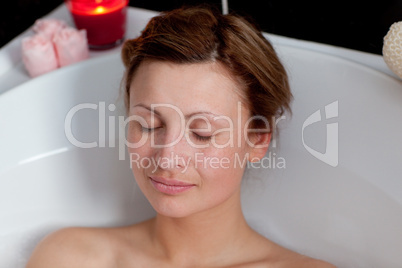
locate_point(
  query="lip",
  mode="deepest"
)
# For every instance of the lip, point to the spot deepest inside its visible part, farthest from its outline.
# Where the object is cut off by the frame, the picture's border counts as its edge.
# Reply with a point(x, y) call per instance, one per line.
point(170, 186)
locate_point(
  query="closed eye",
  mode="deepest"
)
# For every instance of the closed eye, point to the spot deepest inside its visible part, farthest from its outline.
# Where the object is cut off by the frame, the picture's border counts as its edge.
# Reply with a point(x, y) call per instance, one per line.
point(145, 129)
point(202, 138)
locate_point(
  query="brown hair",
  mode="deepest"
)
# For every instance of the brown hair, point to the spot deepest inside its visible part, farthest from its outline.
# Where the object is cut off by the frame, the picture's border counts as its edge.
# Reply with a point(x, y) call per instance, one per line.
point(202, 34)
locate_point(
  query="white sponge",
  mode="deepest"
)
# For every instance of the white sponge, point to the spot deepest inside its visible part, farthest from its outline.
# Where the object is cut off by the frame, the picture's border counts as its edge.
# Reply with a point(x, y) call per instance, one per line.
point(392, 49)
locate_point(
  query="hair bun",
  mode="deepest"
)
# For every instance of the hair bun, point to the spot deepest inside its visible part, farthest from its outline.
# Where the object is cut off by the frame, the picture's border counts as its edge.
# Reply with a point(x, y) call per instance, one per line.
point(128, 51)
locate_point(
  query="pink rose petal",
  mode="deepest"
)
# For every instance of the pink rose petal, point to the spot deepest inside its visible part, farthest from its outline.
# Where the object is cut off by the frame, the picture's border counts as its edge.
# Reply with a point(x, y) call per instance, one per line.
point(71, 46)
point(38, 55)
point(48, 27)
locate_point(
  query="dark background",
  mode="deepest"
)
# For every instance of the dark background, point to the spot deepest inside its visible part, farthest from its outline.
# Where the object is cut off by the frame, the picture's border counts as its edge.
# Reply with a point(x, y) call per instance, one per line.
point(359, 25)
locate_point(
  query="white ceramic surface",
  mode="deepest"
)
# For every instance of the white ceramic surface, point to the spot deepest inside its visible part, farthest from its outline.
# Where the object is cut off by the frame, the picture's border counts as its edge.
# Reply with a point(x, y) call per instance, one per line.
point(350, 214)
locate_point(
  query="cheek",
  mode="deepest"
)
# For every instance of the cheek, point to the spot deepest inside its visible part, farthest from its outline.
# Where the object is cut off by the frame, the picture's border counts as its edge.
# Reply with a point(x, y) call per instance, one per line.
point(226, 164)
point(140, 152)
point(223, 168)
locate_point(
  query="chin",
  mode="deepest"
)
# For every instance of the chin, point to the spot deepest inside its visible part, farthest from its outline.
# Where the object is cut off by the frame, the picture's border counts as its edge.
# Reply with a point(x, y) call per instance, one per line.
point(173, 206)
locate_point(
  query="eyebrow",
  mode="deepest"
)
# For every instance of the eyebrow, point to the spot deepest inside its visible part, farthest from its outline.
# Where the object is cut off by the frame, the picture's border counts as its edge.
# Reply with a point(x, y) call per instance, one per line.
point(186, 116)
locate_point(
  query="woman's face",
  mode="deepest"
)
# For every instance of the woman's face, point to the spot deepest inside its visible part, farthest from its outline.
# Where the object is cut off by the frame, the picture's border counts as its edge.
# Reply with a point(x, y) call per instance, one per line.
point(186, 137)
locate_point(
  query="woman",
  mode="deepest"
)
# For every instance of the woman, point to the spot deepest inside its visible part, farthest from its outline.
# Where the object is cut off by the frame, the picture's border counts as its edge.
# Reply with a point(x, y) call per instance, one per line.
point(202, 91)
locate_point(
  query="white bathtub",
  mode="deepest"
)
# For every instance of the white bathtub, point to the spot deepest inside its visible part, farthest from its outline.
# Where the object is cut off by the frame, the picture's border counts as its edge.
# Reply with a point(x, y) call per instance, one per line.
point(343, 205)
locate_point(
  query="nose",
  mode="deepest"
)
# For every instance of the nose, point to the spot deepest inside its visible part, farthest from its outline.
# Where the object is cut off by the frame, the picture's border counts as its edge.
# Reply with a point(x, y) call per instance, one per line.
point(173, 153)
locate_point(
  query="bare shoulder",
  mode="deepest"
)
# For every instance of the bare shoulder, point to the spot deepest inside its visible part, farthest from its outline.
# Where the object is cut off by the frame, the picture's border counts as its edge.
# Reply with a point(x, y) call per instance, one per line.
point(281, 257)
point(293, 259)
point(90, 247)
point(72, 247)
point(307, 262)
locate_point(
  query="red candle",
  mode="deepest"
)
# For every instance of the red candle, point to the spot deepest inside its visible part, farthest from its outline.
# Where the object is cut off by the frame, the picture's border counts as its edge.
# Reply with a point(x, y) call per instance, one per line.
point(104, 20)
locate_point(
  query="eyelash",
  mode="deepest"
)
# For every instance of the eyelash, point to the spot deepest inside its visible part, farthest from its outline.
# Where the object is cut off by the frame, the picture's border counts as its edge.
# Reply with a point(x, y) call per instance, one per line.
point(145, 129)
point(198, 137)
point(202, 138)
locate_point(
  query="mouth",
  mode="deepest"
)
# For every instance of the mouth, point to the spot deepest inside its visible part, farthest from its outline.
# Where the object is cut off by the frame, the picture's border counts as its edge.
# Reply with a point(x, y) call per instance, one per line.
point(170, 186)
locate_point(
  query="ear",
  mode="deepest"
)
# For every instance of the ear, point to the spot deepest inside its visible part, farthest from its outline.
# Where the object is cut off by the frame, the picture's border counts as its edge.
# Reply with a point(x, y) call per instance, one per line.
point(258, 145)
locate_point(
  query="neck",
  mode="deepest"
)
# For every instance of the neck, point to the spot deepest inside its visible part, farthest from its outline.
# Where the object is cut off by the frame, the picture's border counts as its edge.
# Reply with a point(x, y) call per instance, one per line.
point(212, 235)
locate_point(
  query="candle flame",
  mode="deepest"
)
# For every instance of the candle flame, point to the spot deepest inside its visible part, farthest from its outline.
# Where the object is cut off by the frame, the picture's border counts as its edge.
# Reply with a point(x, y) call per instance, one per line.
point(100, 10)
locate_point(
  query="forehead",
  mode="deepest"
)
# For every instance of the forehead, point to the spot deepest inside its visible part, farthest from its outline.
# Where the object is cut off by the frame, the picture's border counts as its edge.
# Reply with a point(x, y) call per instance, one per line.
point(206, 86)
